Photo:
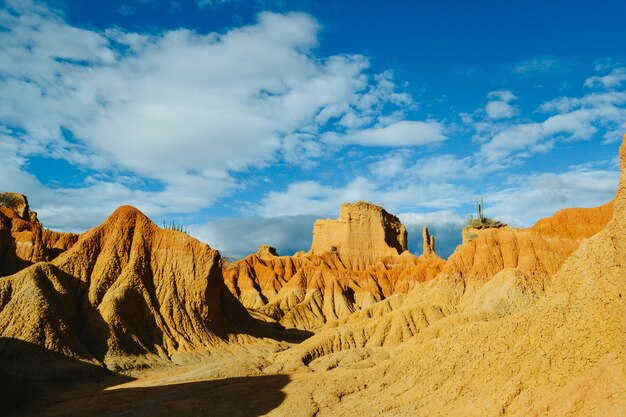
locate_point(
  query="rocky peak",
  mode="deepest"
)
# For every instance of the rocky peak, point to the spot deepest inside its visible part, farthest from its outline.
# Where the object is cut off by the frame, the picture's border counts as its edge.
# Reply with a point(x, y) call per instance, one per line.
point(361, 230)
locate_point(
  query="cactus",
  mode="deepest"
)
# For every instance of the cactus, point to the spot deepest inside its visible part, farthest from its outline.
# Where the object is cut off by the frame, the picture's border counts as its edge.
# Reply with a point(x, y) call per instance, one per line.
point(177, 227)
point(482, 221)
point(479, 210)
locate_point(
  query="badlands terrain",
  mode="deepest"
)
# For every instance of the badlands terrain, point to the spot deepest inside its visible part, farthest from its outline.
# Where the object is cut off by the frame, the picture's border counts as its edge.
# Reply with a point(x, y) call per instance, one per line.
point(130, 319)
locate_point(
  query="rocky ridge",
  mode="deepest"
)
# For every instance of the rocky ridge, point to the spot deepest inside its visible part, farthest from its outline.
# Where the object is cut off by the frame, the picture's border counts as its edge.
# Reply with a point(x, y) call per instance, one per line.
point(127, 294)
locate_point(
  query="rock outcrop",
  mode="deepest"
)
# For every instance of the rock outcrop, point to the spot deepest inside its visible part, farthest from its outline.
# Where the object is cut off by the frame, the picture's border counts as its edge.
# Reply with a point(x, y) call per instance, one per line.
point(355, 261)
point(429, 243)
point(19, 204)
point(126, 294)
point(23, 240)
point(362, 232)
point(266, 251)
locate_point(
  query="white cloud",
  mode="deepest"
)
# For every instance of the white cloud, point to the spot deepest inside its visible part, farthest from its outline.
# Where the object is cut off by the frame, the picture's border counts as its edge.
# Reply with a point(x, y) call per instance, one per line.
point(500, 110)
point(614, 79)
point(312, 197)
point(540, 195)
point(498, 107)
point(575, 119)
point(390, 165)
point(402, 133)
point(181, 109)
point(502, 95)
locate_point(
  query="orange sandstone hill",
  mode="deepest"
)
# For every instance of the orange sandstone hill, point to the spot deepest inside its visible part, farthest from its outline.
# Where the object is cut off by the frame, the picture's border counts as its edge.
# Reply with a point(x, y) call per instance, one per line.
point(355, 261)
point(126, 294)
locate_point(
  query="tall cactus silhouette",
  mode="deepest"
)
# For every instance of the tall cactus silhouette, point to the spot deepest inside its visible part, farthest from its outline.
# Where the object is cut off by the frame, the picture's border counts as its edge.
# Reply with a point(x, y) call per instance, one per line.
point(479, 210)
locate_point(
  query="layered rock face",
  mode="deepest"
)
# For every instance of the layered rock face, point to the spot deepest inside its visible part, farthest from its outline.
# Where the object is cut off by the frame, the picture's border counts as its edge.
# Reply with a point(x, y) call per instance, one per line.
point(126, 294)
point(23, 240)
point(355, 261)
point(362, 231)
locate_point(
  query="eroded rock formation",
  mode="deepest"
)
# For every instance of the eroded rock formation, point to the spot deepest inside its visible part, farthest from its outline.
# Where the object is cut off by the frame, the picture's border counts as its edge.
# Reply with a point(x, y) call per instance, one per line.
point(126, 294)
point(538, 337)
point(355, 261)
point(363, 231)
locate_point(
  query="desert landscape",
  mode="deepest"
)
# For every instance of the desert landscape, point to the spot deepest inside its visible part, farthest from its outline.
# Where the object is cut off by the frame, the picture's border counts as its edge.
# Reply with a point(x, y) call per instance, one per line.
point(132, 319)
point(312, 208)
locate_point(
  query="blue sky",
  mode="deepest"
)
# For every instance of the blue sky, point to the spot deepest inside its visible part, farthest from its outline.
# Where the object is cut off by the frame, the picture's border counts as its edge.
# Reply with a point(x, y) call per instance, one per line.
point(246, 120)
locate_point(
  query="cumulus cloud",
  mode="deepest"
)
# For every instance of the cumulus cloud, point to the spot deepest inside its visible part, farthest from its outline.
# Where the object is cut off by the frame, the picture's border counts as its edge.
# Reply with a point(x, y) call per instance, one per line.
point(614, 79)
point(567, 118)
point(312, 197)
point(181, 109)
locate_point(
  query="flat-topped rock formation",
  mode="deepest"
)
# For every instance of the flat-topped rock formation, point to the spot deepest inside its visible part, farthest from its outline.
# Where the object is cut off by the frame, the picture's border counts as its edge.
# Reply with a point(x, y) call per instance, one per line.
point(362, 231)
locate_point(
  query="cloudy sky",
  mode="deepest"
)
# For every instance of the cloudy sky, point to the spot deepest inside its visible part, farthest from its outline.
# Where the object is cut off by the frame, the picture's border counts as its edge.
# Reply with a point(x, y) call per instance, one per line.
point(248, 119)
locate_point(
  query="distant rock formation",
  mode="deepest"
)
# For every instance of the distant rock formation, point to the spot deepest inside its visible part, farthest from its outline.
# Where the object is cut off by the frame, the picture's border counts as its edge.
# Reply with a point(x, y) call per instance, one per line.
point(362, 231)
point(355, 261)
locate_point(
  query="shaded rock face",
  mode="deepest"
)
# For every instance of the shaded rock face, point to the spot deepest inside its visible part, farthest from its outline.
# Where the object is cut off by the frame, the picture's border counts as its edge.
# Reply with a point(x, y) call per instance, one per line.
point(126, 294)
point(19, 204)
point(23, 240)
point(361, 230)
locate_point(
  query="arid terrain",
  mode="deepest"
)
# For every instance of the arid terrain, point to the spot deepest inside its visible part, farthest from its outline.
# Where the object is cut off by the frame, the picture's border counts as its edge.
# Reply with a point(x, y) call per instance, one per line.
point(130, 319)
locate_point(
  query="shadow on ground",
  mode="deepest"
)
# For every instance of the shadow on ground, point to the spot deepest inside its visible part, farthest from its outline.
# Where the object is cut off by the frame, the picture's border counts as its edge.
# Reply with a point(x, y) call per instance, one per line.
point(238, 397)
point(78, 388)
